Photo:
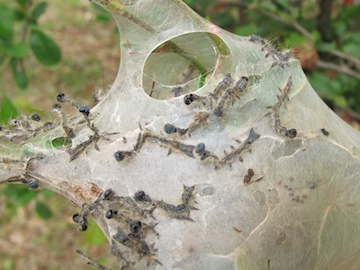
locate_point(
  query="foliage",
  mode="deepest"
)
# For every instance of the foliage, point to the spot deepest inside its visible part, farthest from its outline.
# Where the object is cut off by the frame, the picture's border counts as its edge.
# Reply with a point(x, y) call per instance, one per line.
point(327, 47)
point(101, 14)
point(45, 213)
point(19, 196)
point(7, 110)
point(19, 33)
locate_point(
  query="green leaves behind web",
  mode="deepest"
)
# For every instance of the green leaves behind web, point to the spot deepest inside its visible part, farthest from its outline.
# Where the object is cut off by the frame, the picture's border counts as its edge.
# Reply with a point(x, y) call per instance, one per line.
point(44, 48)
point(20, 32)
point(7, 110)
point(38, 11)
point(6, 23)
point(60, 141)
point(19, 196)
point(94, 235)
point(19, 73)
point(43, 210)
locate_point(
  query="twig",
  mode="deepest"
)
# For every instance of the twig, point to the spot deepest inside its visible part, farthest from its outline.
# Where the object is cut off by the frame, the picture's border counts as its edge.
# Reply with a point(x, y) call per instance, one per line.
point(294, 24)
point(91, 261)
point(353, 114)
point(345, 56)
point(276, 17)
point(4, 62)
point(117, 8)
point(340, 68)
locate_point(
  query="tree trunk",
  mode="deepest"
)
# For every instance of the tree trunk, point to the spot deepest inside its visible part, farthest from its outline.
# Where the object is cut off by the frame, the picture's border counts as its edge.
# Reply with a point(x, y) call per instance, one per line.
point(217, 151)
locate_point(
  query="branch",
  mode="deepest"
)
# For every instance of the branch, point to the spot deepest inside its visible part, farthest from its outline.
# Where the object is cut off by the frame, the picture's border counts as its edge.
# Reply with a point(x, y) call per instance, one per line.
point(323, 20)
point(347, 57)
point(340, 68)
point(153, 190)
point(276, 17)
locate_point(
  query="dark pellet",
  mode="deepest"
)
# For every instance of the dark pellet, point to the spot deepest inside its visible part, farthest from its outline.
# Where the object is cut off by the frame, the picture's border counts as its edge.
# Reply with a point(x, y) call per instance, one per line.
point(56, 106)
point(75, 217)
point(169, 128)
point(325, 132)
point(61, 97)
point(200, 148)
point(82, 227)
point(108, 193)
point(188, 99)
point(35, 117)
point(119, 156)
point(84, 110)
point(135, 226)
point(109, 214)
point(33, 185)
point(291, 133)
point(140, 195)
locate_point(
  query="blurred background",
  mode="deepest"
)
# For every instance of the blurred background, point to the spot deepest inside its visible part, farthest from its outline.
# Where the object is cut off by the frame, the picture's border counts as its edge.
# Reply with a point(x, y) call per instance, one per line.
point(82, 56)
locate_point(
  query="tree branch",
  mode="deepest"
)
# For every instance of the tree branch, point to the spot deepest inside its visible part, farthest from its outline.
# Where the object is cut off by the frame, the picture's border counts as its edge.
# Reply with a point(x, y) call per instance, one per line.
point(340, 68)
point(347, 57)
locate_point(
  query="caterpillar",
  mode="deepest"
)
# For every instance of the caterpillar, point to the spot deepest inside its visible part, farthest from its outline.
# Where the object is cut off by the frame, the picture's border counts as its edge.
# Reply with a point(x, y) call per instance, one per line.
point(282, 99)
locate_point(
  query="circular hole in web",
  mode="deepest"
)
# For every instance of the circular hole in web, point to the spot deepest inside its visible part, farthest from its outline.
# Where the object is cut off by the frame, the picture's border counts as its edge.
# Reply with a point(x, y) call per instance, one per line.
point(181, 65)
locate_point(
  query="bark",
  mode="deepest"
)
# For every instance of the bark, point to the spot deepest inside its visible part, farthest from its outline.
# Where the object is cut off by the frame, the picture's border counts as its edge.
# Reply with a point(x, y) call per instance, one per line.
point(323, 20)
point(250, 171)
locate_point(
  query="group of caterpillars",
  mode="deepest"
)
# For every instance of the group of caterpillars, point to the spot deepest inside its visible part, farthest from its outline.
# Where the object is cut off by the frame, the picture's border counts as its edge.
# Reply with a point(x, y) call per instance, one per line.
point(21, 129)
point(280, 59)
point(131, 216)
point(188, 149)
point(85, 111)
point(222, 94)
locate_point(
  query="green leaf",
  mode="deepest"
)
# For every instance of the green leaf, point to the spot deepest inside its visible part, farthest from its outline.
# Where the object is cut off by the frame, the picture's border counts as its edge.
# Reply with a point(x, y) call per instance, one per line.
point(295, 39)
point(204, 4)
point(223, 19)
point(10, 208)
point(101, 14)
point(355, 36)
point(22, 2)
point(294, 11)
point(60, 141)
point(19, 15)
point(20, 194)
point(47, 193)
point(340, 101)
point(325, 47)
point(19, 73)
point(340, 28)
point(17, 50)
point(245, 30)
point(268, 6)
point(316, 35)
point(44, 48)
point(284, 3)
point(321, 83)
point(337, 87)
point(43, 210)
point(26, 197)
point(6, 23)
point(38, 11)
point(94, 235)
point(352, 49)
point(8, 264)
point(7, 110)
